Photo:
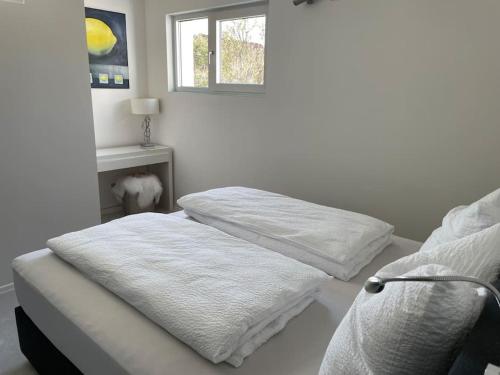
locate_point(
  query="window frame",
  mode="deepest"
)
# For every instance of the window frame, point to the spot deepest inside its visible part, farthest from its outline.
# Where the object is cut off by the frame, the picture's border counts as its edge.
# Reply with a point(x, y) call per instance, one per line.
point(214, 16)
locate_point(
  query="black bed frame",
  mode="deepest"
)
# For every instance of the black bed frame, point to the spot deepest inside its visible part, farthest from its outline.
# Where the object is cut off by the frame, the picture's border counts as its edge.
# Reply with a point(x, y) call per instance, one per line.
point(481, 347)
point(42, 354)
point(483, 343)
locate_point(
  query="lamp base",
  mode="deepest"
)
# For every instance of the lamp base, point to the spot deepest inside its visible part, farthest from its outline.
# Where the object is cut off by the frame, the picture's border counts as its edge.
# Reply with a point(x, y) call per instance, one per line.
point(148, 145)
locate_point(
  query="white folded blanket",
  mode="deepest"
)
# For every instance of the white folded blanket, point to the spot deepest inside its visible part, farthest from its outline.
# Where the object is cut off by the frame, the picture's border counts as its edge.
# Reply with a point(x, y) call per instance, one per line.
point(337, 241)
point(220, 295)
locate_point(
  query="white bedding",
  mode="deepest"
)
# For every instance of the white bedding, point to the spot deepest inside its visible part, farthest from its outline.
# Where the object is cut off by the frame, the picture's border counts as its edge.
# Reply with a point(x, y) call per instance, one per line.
point(337, 241)
point(220, 295)
point(102, 334)
point(341, 271)
point(463, 221)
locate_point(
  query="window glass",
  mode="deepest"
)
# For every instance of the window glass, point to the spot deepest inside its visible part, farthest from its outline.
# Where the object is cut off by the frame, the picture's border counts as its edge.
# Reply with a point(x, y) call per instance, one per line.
point(192, 53)
point(241, 50)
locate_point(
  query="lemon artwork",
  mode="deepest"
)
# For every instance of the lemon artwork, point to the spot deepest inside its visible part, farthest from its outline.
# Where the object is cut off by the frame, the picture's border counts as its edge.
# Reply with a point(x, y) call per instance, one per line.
point(100, 37)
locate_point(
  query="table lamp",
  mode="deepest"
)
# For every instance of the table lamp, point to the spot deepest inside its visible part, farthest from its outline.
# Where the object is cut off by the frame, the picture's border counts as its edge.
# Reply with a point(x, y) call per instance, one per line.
point(147, 107)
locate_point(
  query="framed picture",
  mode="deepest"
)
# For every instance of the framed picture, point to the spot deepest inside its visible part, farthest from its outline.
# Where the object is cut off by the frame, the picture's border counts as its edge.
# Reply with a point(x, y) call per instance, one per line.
point(107, 46)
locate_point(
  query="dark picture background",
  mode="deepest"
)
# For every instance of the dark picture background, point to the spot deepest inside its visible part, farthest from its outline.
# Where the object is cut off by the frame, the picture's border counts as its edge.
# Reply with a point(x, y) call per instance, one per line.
point(117, 60)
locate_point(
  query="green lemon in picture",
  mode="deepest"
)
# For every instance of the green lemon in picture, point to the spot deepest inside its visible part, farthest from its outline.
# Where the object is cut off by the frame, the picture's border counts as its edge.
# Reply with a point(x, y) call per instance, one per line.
point(100, 37)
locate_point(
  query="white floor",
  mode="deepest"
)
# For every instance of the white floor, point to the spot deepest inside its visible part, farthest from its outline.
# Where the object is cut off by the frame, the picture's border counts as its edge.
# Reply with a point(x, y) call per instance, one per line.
point(12, 361)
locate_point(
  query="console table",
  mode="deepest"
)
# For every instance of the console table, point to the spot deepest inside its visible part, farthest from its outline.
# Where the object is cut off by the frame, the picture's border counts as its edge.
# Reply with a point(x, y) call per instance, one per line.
point(114, 158)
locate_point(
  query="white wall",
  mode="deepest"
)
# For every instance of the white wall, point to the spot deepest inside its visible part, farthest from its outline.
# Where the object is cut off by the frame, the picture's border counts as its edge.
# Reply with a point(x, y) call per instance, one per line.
point(387, 107)
point(48, 183)
point(114, 124)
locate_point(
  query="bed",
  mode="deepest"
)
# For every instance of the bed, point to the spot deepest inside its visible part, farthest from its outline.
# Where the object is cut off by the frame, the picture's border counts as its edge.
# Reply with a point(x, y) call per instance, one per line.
point(99, 333)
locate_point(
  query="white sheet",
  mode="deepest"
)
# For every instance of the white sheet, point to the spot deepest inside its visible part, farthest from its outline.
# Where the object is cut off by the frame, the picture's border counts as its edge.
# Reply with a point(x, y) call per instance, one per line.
point(221, 295)
point(337, 241)
point(100, 333)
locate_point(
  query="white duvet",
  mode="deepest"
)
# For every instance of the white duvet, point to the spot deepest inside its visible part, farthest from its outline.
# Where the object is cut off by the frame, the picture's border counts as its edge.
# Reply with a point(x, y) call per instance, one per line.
point(339, 242)
point(222, 296)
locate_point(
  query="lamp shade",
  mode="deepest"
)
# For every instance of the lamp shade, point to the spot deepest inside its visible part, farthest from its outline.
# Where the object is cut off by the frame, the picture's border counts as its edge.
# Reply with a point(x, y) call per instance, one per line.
point(145, 106)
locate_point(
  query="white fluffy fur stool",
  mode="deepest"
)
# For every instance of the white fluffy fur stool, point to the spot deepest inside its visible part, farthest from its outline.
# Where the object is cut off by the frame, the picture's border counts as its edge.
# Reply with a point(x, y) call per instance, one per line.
point(138, 193)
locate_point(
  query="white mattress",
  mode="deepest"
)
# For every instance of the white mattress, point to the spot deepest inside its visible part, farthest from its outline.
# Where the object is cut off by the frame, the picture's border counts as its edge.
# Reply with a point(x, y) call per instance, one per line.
point(100, 333)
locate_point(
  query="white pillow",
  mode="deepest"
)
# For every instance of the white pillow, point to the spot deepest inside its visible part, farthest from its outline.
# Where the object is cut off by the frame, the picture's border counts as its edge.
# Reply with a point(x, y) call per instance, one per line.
point(437, 237)
point(466, 220)
point(477, 255)
point(409, 328)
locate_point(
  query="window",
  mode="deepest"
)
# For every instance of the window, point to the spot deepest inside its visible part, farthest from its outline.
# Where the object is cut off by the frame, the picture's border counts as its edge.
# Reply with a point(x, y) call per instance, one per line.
point(222, 50)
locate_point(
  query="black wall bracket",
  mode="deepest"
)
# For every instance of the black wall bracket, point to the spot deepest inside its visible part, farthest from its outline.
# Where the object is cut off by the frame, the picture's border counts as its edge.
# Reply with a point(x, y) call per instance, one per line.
point(298, 2)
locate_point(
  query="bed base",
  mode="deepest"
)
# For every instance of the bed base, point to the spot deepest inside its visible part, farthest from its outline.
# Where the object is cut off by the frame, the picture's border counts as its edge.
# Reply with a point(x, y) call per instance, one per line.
point(40, 352)
point(481, 347)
